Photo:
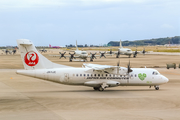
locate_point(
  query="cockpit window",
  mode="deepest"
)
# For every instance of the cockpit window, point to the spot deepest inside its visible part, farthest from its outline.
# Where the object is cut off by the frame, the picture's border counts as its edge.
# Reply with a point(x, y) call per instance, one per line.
point(84, 53)
point(155, 73)
point(128, 50)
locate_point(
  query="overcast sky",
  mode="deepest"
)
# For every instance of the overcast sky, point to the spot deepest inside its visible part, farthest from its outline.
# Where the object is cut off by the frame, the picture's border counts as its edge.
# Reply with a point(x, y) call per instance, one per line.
point(62, 22)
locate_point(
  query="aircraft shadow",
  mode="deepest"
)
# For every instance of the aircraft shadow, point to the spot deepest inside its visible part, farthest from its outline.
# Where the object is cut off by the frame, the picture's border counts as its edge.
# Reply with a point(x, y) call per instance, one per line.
point(106, 90)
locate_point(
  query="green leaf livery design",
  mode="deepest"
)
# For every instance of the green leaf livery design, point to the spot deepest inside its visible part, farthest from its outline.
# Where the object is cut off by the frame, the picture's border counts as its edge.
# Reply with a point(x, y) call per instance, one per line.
point(142, 76)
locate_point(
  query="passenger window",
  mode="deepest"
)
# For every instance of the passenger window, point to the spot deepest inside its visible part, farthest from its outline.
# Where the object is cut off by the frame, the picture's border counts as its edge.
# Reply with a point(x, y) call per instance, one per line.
point(109, 75)
point(88, 75)
point(95, 75)
point(102, 75)
point(84, 74)
point(77, 75)
point(80, 74)
point(106, 75)
point(135, 75)
point(91, 75)
point(98, 75)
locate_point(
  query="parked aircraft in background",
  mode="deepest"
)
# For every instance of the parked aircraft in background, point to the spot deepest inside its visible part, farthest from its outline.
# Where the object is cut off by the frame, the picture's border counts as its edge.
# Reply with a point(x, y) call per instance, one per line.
point(43, 50)
point(126, 51)
point(6, 51)
point(57, 47)
point(81, 55)
point(97, 76)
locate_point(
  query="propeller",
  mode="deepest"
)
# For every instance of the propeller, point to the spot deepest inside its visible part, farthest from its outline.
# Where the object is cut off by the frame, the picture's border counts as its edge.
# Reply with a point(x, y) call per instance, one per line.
point(62, 55)
point(102, 54)
point(144, 51)
point(7, 51)
point(118, 63)
point(135, 53)
point(14, 51)
point(71, 56)
point(118, 54)
point(110, 52)
point(129, 68)
point(92, 56)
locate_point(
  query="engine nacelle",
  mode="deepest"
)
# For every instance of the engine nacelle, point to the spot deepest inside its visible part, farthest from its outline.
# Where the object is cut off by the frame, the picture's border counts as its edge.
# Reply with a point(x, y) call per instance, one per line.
point(109, 83)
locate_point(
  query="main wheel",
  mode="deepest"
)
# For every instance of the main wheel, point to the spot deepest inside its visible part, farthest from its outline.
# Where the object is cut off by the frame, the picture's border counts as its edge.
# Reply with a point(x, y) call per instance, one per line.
point(157, 88)
point(95, 88)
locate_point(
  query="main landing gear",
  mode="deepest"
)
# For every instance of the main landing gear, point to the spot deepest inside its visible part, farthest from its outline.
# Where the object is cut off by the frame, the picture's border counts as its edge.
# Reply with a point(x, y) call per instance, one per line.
point(102, 87)
point(98, 88)
point(156, 87)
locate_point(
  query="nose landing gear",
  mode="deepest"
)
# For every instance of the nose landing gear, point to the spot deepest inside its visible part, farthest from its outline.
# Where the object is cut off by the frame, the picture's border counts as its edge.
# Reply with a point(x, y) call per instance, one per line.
point(156, 87)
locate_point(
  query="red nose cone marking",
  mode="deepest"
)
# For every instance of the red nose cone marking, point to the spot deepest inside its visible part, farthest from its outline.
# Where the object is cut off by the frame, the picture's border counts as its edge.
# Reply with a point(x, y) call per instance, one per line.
point(31, 58)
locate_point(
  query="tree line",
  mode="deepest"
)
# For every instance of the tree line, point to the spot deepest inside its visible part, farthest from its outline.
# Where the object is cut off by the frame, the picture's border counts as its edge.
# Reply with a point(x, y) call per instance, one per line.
point(151, 42)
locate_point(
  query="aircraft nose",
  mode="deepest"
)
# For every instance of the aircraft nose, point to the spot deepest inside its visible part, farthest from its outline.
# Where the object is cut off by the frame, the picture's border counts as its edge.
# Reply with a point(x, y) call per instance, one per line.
point(165, 79)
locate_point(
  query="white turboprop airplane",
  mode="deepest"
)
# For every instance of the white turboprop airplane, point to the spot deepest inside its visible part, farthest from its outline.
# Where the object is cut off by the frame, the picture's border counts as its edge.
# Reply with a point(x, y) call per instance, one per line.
point(77, 54)
point(124, 51)
point(97, 76)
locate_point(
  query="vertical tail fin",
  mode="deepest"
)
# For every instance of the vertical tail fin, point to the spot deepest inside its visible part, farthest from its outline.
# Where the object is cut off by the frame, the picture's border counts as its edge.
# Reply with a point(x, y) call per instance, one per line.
point(76, 46)
point(50, 45)
point(32, 59)
point(120, 44)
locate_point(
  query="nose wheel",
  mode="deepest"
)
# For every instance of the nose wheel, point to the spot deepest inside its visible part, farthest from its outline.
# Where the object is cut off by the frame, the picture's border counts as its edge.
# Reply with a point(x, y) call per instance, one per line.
point(156, 87)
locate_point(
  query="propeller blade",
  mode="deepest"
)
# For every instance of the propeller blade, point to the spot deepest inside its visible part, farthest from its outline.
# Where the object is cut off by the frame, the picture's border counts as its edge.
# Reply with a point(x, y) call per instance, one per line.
point(129, 68)
point(118, 64)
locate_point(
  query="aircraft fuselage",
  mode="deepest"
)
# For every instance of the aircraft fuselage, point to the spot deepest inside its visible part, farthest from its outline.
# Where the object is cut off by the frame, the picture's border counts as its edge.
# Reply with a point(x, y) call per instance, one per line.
point(125, 51)
point(79, 76)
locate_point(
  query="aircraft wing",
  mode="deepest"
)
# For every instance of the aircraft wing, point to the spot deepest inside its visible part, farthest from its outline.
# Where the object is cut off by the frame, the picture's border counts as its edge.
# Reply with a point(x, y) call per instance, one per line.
point(77, 56)
point(94, 55)
point(100, 68)
point(59, 55)
point(138, 52)
point(110, 53)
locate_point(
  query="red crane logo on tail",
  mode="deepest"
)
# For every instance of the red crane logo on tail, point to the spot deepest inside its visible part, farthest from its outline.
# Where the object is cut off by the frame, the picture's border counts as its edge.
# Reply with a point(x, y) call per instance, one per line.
point(31, 58)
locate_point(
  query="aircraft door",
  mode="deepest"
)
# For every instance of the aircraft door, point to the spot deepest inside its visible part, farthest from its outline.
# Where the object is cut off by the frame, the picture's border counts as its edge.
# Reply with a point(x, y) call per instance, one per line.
point(45, 75)
point(66, 77)
point(131, 76)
